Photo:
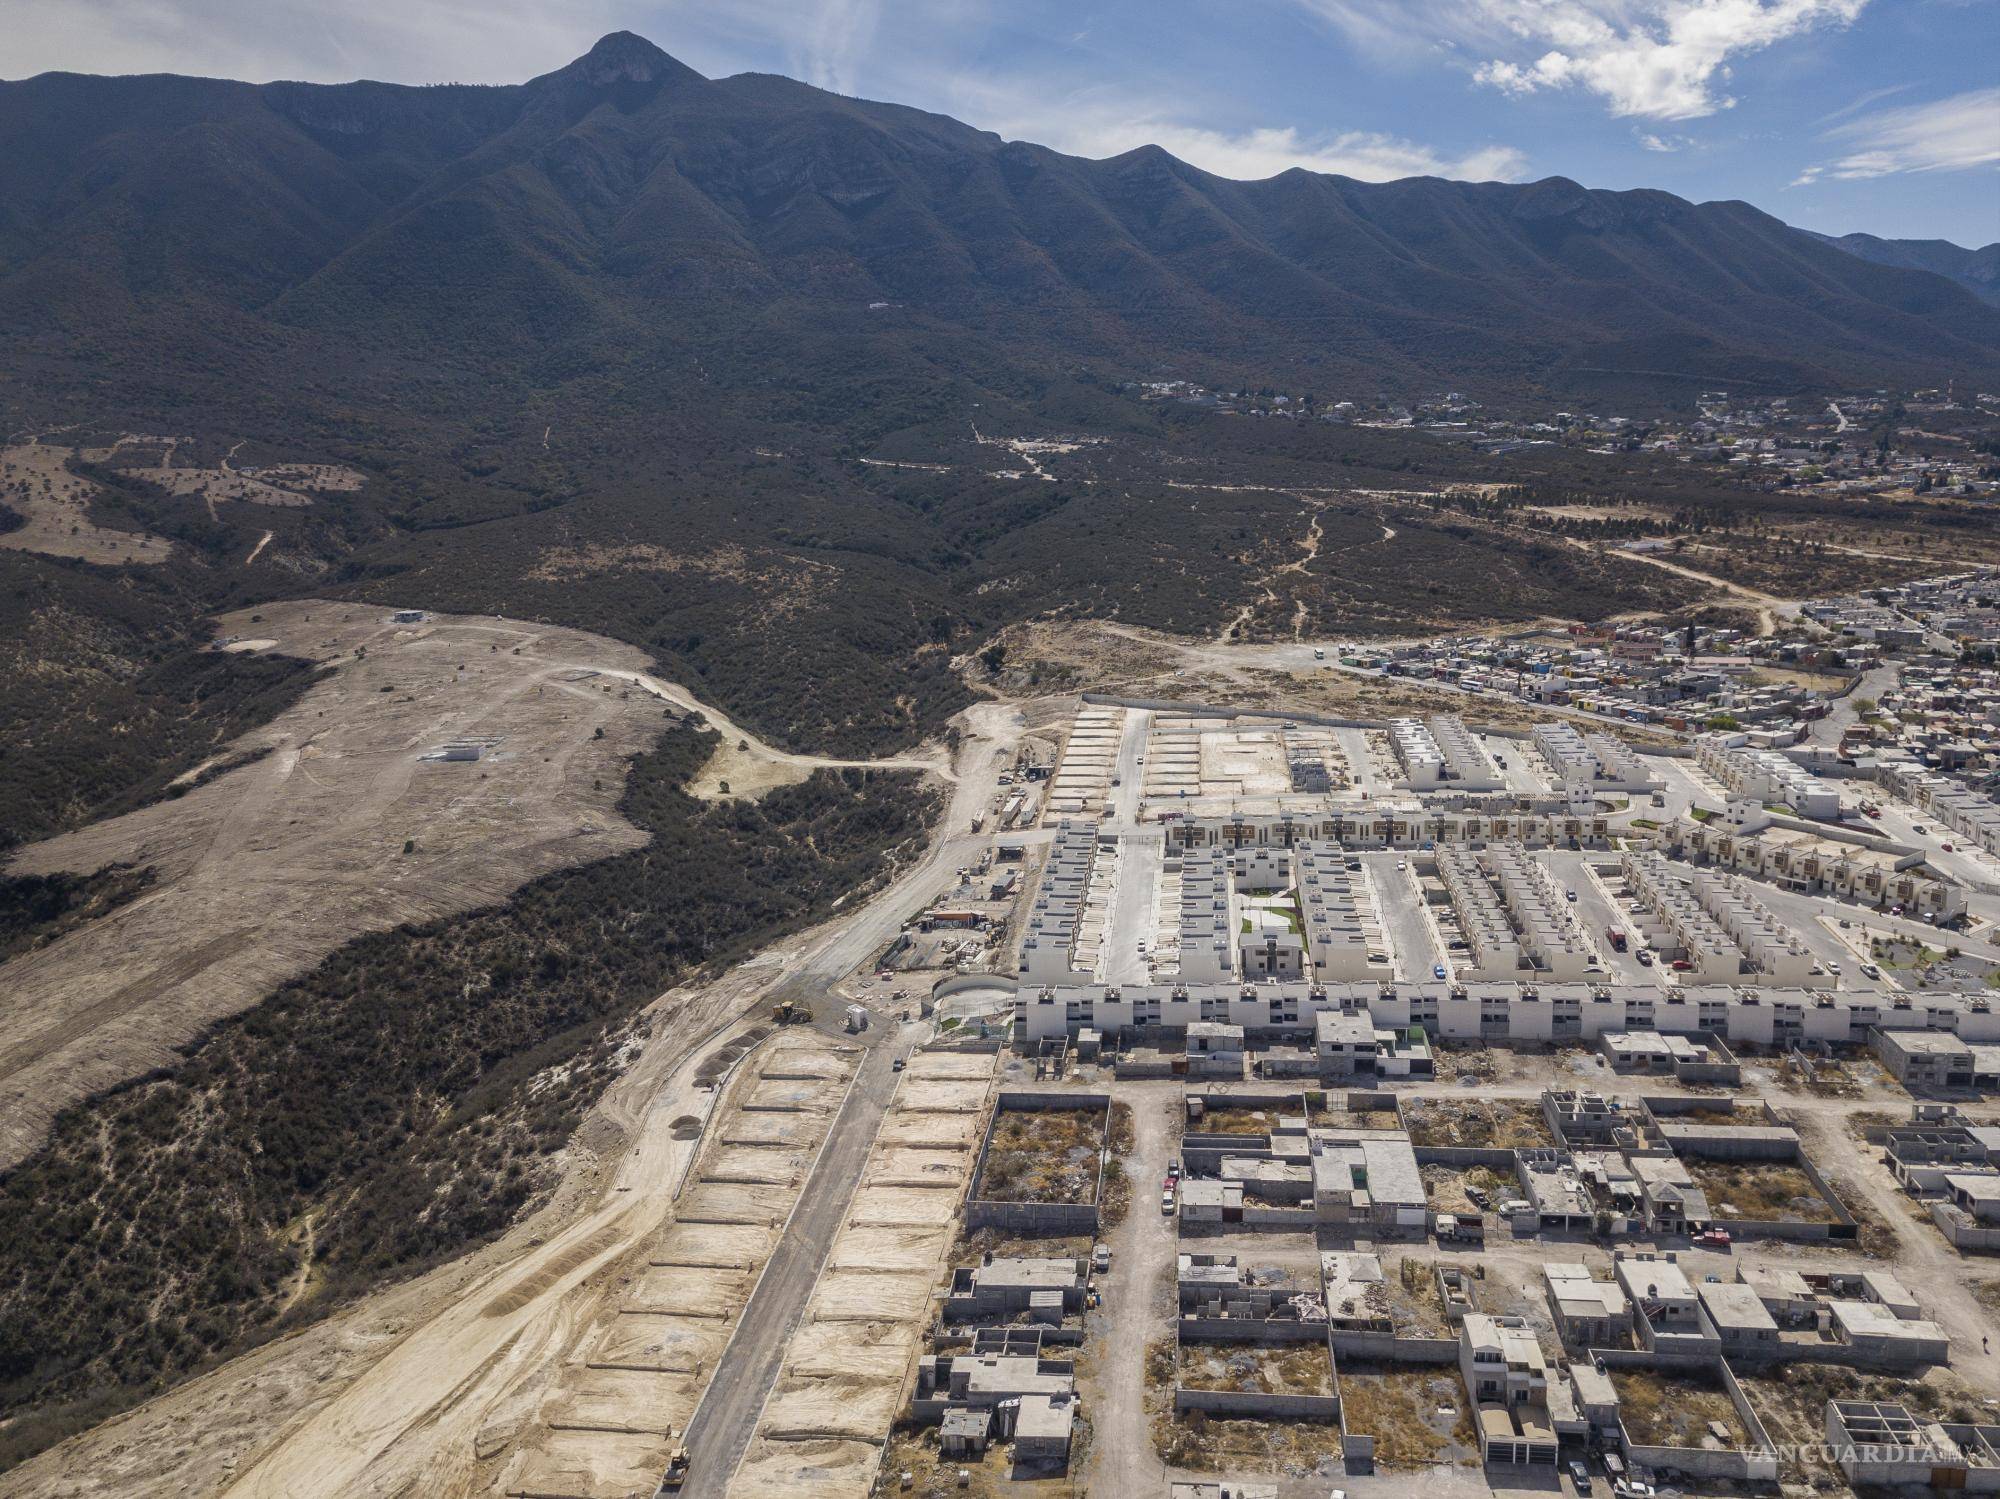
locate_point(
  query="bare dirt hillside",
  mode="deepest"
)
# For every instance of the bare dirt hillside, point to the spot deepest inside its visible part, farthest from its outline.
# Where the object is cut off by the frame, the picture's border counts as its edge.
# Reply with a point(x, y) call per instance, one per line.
point(343, 825)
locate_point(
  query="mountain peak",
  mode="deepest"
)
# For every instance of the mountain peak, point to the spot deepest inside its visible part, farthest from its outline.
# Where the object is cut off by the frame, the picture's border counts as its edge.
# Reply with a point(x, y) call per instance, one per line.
point(626, 57)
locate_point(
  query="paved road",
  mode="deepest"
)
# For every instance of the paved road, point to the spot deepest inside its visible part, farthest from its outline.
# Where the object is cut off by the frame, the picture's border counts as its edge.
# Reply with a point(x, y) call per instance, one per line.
point(723, 1424)
point(1971, 867)
point(1135, 905)
point(1873, 684)
point(1399, 904)
point(1360, 764)
point(720, 1431)
point(1685, 786)
point(1127, 796)
point(1595, 911)
point(1520, 766)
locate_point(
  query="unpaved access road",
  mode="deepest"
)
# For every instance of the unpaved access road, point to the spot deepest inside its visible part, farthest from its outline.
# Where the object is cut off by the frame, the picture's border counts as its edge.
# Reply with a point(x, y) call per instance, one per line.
point(392, 1396)
point(341, 827)
point(1137, 1303)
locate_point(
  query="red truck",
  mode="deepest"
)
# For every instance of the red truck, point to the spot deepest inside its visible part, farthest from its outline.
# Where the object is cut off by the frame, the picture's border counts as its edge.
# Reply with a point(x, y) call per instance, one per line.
point(1615, 937)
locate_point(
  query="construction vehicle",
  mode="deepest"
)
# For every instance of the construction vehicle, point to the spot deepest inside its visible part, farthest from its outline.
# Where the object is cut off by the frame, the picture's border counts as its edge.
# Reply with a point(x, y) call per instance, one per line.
point(785, 1012)
point(677, 1469)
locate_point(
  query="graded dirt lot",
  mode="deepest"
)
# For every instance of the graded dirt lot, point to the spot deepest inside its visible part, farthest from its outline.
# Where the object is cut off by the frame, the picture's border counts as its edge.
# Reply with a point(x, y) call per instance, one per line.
point(822, 1430)
point(343, 826)
point(632, 1374)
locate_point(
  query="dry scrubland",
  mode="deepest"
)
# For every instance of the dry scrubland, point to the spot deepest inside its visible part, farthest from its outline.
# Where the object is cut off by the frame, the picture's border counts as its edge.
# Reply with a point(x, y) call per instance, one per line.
point(1506, 1124)
point(338, 827)
point(35, 483)
point(1045, 1155)
point(1662, 1409)
point(1418, 1416)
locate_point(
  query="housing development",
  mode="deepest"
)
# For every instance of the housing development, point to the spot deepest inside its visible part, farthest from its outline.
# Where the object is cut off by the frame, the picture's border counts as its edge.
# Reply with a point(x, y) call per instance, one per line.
point(1524, 1108)
point(1272, 1103)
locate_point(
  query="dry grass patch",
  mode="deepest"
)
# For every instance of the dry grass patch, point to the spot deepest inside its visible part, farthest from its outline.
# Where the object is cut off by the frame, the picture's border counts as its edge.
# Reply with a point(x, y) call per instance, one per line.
point(976, 1248)
point(1505, 1124)
point(1209, 1443)
point(1761, 1191)
point(1822, 1078)
point(1418, 1416)
point(1234, 1122)
point(1411, 1300)
point(1719, 1115)
point(1257, 1368)
point(1123, 1139)
point(1044, 1155)
point(1346, 1118)
point(1870, 1125)
point(1792, 1405)
point(1662, 1409)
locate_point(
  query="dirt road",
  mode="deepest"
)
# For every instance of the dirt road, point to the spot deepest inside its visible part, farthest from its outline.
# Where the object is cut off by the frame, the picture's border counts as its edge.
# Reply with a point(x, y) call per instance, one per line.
point(745, 765)
point(418, 1411)
point(1769, 606)
point(416, 1415)
point(1136, 1306)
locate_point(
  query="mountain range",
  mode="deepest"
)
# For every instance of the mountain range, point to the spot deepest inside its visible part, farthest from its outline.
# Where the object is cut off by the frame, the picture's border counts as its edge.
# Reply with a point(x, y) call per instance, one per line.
point(626, 220)
point(1978, 271)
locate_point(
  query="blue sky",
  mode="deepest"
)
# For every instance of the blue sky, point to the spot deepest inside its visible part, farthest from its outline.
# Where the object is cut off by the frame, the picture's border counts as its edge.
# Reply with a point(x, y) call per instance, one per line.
point(1878, 115)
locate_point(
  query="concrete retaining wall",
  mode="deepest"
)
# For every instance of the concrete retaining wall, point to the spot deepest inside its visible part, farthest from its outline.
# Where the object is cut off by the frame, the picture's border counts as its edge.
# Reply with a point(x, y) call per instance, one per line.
point(1387, 1348)
point(1033, 1217)
point(1965, 1235)
point(1648, 1358)
point(1465, 1156)
point(1297, 1220)
point(1357, 1452)
point(1250, 1330)
point(1699, 1462)
point(963, 983)
point(1247, 1403)
point(1756, 1463)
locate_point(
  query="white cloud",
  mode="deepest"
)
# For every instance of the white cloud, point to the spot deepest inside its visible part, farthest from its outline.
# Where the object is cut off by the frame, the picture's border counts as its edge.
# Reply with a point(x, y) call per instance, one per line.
point(1651, 59)
point(1100, 122)
point(1947, 135)
point(1251, 155)
point(403, 41)
point(1653, 142)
